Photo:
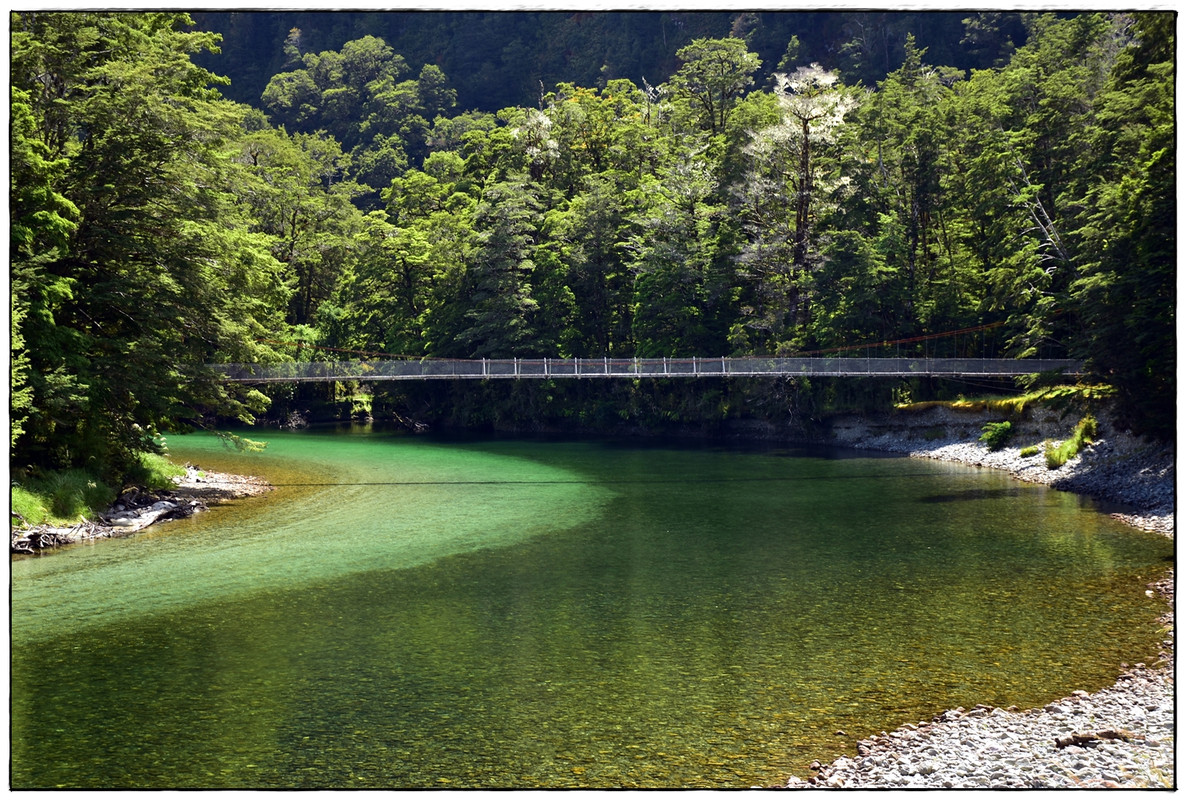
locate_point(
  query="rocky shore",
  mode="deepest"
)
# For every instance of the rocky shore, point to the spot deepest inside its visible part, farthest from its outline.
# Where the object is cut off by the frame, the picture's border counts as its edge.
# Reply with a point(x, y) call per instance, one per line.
point(1121, 736)
point(135, 510)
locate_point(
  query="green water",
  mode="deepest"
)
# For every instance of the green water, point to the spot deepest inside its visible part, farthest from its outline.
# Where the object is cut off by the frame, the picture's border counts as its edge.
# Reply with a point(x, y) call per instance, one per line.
point(410, 612)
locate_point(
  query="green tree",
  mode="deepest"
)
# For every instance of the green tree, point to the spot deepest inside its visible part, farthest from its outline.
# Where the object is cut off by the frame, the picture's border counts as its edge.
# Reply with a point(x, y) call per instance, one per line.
point(296, 189)
point(1125, 290)
point(134, 270)
point(714, 75)
point(360, 96)
point(500, 320)
point(674, 258)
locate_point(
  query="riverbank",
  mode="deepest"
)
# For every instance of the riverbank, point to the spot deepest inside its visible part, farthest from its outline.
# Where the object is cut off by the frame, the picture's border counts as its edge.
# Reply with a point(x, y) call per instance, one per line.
point(1121, 736)
point(136, 510)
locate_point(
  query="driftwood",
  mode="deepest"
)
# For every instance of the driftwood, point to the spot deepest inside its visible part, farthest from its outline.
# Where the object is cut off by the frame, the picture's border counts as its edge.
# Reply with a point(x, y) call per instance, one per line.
point(135, 510)
point(1080, 739)
point(30, 540)
point(120, 523)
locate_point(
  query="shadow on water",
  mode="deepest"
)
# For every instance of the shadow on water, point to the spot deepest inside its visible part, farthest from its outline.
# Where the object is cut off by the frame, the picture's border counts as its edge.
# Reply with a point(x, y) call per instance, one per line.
point(641, 481)
point(973, 494)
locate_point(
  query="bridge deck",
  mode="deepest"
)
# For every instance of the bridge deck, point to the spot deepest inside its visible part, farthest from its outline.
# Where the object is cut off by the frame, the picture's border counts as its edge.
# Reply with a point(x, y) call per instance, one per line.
point(526, 368)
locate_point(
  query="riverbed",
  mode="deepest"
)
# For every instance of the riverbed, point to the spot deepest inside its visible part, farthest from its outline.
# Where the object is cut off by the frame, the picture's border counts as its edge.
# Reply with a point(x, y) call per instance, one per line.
point(416, 612)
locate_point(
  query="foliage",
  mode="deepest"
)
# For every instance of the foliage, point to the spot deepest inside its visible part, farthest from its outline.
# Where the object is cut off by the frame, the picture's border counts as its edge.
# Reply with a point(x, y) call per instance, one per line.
point(134, 265)
point(853, 196)
point(61, 497)
point(997, 434)
point(1085, 431)
point(1030, 450)
point(1060, 397)
point(154, 471)
point(714, 75)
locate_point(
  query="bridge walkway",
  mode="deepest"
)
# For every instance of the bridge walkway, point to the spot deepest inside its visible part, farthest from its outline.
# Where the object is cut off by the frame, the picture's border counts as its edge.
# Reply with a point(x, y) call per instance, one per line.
point(635, 368)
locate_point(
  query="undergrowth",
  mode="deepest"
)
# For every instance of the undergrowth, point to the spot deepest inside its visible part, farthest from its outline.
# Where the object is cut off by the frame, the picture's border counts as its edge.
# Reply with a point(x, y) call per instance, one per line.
point(60, 498)
point(63, 498)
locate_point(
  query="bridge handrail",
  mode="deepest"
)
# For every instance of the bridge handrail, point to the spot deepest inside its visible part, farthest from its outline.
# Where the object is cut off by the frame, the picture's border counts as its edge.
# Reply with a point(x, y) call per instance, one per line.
point(439, 368)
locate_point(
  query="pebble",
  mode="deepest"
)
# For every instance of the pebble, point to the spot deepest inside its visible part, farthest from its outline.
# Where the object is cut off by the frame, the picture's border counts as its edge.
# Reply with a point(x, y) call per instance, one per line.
point(996, 748)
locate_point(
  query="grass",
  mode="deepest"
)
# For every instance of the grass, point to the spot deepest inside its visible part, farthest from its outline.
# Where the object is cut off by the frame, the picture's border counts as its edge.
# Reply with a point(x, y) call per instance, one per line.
point(155, 472)
point(60, 498)
point(63, 498)
point(1015, 406)
point(31, 506)
point(1032, 450)
point(1083, 434)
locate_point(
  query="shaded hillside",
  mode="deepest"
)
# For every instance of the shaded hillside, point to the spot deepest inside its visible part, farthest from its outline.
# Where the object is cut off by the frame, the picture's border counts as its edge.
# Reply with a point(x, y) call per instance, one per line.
point(497, 58)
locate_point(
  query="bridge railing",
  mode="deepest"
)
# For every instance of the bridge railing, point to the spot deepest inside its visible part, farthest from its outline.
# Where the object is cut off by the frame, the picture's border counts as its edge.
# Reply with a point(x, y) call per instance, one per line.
point(511, 368)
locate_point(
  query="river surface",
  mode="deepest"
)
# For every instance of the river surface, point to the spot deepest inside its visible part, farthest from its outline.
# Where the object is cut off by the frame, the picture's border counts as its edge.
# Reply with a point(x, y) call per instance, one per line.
point(409, 611)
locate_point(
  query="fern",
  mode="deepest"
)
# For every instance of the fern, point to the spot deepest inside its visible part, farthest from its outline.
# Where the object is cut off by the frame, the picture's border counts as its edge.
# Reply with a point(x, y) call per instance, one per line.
point(997, 434)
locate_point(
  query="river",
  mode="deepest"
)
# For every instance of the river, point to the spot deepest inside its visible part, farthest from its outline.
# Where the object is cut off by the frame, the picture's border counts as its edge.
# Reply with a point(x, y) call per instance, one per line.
point(414, 611)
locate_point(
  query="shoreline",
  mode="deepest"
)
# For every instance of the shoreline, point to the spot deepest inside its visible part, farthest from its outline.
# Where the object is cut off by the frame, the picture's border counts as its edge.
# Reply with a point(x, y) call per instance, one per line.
point(136, 510)
point(1121, 736)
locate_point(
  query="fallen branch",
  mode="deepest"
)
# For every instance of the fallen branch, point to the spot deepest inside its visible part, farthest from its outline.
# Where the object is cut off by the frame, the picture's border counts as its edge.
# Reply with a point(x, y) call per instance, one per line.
point(1082, 738)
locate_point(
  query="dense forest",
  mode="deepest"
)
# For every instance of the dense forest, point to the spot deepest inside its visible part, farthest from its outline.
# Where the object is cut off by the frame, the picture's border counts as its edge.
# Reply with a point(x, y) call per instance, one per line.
point(563, 184)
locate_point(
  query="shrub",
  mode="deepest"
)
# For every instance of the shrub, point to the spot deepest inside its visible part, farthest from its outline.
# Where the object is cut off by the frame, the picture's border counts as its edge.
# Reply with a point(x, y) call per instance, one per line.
point(1032, 450)
point(997, 434)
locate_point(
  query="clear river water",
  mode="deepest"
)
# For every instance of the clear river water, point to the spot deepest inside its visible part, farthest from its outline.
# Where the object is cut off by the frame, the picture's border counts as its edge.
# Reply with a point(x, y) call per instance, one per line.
point(411, 611)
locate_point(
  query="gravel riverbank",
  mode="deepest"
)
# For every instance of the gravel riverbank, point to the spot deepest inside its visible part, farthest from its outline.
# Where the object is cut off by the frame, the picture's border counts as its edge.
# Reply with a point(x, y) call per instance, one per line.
point(1121, 736)
point(136, 510)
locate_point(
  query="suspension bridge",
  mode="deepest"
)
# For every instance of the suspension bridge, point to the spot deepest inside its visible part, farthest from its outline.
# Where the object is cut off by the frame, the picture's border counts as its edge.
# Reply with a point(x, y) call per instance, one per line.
point(636, 368)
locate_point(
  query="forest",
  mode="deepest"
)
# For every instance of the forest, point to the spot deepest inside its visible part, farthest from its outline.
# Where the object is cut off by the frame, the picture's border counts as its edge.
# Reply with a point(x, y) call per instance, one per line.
point(189, 190)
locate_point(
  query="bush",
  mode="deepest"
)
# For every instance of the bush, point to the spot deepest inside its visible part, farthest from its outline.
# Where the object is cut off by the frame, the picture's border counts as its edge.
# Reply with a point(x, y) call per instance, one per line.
point(997, 434)
point(1032, 450)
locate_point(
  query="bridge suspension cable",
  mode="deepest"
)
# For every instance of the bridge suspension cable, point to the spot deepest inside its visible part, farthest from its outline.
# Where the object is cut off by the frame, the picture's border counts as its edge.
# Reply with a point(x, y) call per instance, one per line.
point(821, 351)
point(635, 368)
